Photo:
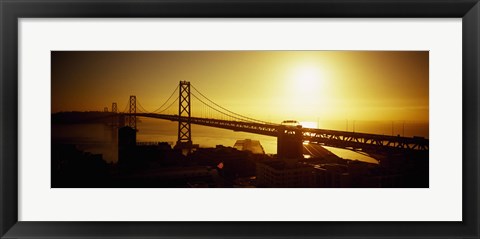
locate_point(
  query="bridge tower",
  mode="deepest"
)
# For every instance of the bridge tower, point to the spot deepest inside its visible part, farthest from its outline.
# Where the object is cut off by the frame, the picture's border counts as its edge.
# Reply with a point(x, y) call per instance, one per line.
point(184, 141)
point(132, 118)
point(115, 117)
point(114, 107)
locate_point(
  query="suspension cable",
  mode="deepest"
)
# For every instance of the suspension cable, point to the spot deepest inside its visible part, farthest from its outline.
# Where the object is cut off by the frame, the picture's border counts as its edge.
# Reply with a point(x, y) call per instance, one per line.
point(144, 110)
point(242, 120)
point(167, 107)
point(141, 107)
point(126, 107)
point(250, 119)
point(167, 100)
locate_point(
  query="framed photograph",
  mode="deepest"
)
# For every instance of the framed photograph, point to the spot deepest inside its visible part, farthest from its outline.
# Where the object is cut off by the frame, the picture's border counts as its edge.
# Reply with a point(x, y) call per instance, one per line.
point(256, 119)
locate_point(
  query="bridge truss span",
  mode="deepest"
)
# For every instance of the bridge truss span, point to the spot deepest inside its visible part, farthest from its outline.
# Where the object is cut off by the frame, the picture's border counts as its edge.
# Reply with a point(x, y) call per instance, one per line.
point(363, 141)
point(333, 138)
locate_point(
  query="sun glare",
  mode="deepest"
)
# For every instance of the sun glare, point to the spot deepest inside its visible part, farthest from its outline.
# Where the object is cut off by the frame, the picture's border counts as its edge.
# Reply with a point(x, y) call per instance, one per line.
point(307, 79)
point(308, 124)
point(304, 89)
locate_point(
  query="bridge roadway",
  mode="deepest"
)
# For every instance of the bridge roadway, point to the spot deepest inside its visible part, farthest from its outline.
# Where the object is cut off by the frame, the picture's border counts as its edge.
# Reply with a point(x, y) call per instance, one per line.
point(340, 139)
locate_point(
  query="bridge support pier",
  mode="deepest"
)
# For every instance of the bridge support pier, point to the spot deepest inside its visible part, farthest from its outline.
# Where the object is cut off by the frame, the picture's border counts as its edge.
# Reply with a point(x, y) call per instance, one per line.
point(289, 143)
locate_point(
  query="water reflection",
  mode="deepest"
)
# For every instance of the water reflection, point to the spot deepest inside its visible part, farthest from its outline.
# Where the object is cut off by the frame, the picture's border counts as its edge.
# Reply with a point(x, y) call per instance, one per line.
point(93, 138)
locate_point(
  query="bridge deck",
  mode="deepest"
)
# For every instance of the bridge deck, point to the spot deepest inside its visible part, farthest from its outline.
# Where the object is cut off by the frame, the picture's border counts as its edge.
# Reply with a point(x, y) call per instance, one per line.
point(334, 138)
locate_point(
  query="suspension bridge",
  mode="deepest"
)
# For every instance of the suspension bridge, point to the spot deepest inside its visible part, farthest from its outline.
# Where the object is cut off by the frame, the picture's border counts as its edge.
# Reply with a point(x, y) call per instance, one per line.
point(290, 139)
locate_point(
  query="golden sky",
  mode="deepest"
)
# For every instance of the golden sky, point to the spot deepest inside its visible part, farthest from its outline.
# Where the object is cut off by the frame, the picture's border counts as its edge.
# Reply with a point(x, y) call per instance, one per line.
point(266, 85)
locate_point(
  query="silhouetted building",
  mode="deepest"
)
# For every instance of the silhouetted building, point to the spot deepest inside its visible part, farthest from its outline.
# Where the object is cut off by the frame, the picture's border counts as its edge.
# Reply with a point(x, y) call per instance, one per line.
point(127, 140)
point(74, 168)
point(332, 176)
point(176, 176)
point(234, 163)
point(285, 174)
point(246, 182)
point(321, 177)
point(289, 142)
point(389, 181)
point(253, 146)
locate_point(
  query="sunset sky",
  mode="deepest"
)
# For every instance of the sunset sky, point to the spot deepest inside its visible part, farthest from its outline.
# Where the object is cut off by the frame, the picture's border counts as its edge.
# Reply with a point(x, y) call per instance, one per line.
point(267, 85)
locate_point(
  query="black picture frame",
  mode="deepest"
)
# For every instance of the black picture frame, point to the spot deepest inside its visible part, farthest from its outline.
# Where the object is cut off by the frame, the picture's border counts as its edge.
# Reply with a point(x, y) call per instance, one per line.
point(11, 11)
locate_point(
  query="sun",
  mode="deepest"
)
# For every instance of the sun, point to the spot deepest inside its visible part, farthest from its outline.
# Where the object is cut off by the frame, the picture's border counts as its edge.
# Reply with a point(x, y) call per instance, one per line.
point(309, 124)
point(307, 79)
point(303, 91)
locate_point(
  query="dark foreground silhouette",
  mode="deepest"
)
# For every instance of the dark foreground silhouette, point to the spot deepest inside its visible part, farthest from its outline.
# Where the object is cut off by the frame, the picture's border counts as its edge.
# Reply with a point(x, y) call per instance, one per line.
point(161, 166)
